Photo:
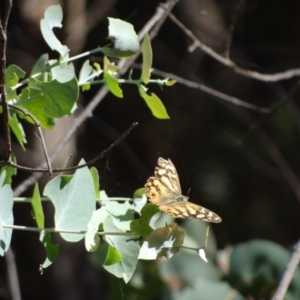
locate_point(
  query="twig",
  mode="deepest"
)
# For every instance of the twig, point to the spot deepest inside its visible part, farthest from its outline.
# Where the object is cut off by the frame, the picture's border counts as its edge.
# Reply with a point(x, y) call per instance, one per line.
point(13, 275)
point(87, 112)
point(39, 133)
point(270, 147)
point(265, 118)
point(91, 162)
point(58, 230)
point(213, 92)
point(3, 43)
point(288, 274)
point(232, 26)
point(231, 64)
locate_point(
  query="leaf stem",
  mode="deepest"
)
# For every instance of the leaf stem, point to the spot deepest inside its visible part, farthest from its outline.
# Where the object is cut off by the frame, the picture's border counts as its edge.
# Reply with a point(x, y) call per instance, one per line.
point(35, 229)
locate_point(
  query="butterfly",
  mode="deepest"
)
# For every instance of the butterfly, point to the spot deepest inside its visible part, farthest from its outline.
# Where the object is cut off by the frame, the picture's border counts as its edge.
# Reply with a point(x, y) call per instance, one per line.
point(164, 190)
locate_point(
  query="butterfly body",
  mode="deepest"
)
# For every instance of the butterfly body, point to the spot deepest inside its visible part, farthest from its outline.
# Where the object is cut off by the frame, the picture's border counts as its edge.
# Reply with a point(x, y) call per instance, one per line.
point(164, 190)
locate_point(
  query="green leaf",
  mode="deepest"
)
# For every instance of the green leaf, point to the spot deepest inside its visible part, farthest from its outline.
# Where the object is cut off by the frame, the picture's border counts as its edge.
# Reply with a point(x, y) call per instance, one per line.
point(208, 290)
point(37, 207)
point(63, 73)
point(128, 250)
point(113, 85)
point(9, 171)
point(33, 101)
point(154, 103)
point(121, 213)
point(51, 249)
point(53, 18)
point(139, 200)
point(92, 239)
point(144, 225)
point(170, 82)
point(110, 80)
point(162, 242)
point(6, 213)
point(112, 257)
point(188, 266)
point(264, 262)
point(96, 179)
point(74, 200)
point(12, 75)
point(18, 130)
point(147, 59)
point(60, 98)
point(87, 74)
point(40, 66)
point(124, 37)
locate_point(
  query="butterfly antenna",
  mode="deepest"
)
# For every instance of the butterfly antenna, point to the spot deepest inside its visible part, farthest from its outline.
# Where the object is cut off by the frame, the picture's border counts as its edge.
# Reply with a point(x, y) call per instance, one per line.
point(189, 191)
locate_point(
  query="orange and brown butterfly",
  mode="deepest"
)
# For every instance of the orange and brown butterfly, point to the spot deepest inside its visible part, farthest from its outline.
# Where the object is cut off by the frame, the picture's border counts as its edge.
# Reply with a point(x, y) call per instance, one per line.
point(164, 190)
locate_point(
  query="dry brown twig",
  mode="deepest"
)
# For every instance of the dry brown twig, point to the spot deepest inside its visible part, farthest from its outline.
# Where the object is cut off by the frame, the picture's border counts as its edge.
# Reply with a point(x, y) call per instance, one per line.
point(287, 277)
point(212, 92)
point(3, 42)
point(231, 64)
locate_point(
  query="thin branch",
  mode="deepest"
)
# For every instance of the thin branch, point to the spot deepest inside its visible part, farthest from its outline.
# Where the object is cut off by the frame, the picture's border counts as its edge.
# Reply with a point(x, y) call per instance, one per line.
point(3, 43)
point(39, 133)
point(270, 147)
point(232, 26)
point(91, 162)
point(57, 230)
point(14, 285)
point(87, 112)
point(288, 274)
point(266, 117)
point(213, 92)
point(231, 64)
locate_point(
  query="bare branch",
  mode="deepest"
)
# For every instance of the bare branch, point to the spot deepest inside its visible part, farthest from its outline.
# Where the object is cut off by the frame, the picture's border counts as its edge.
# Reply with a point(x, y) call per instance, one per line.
point(271, 148)
point(232, 26)
point(39, 133)
point(266, 117)
point(3, 42)
point(288, 274)
point(212, 92)
point(231, 64)
point(91, 162)
point(12, 275)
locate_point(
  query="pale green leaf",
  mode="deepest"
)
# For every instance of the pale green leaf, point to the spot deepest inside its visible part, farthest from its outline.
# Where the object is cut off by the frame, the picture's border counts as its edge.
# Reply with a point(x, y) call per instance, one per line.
point(51, 249)
point(74, 200)
point(124, 38)
point(53, 19)
point(154, 103)
point(162, 242)
point(92, 239)
point(37, 207)
point(147, 59)
point(127, 249)
point(6, 214)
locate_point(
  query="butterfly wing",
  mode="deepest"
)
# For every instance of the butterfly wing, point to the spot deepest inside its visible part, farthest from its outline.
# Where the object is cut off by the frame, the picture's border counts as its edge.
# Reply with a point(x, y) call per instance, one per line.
point(167, 173)
point(187, 210)
point(164, 190)
point(164, 187)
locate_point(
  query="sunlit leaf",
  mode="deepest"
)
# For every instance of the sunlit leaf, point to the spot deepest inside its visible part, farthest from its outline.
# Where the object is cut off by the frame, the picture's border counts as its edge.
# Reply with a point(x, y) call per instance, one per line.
point(154, 103)
point(6, 214)
point(74, 200)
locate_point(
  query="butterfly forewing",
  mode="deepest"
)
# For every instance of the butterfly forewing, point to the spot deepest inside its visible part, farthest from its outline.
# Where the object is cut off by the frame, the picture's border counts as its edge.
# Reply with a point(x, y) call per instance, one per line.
point(167, 173)
point(164, 190)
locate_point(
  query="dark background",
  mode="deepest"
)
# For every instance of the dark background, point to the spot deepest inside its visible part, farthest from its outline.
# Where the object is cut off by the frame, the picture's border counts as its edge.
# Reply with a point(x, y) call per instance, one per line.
point(243, 184)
